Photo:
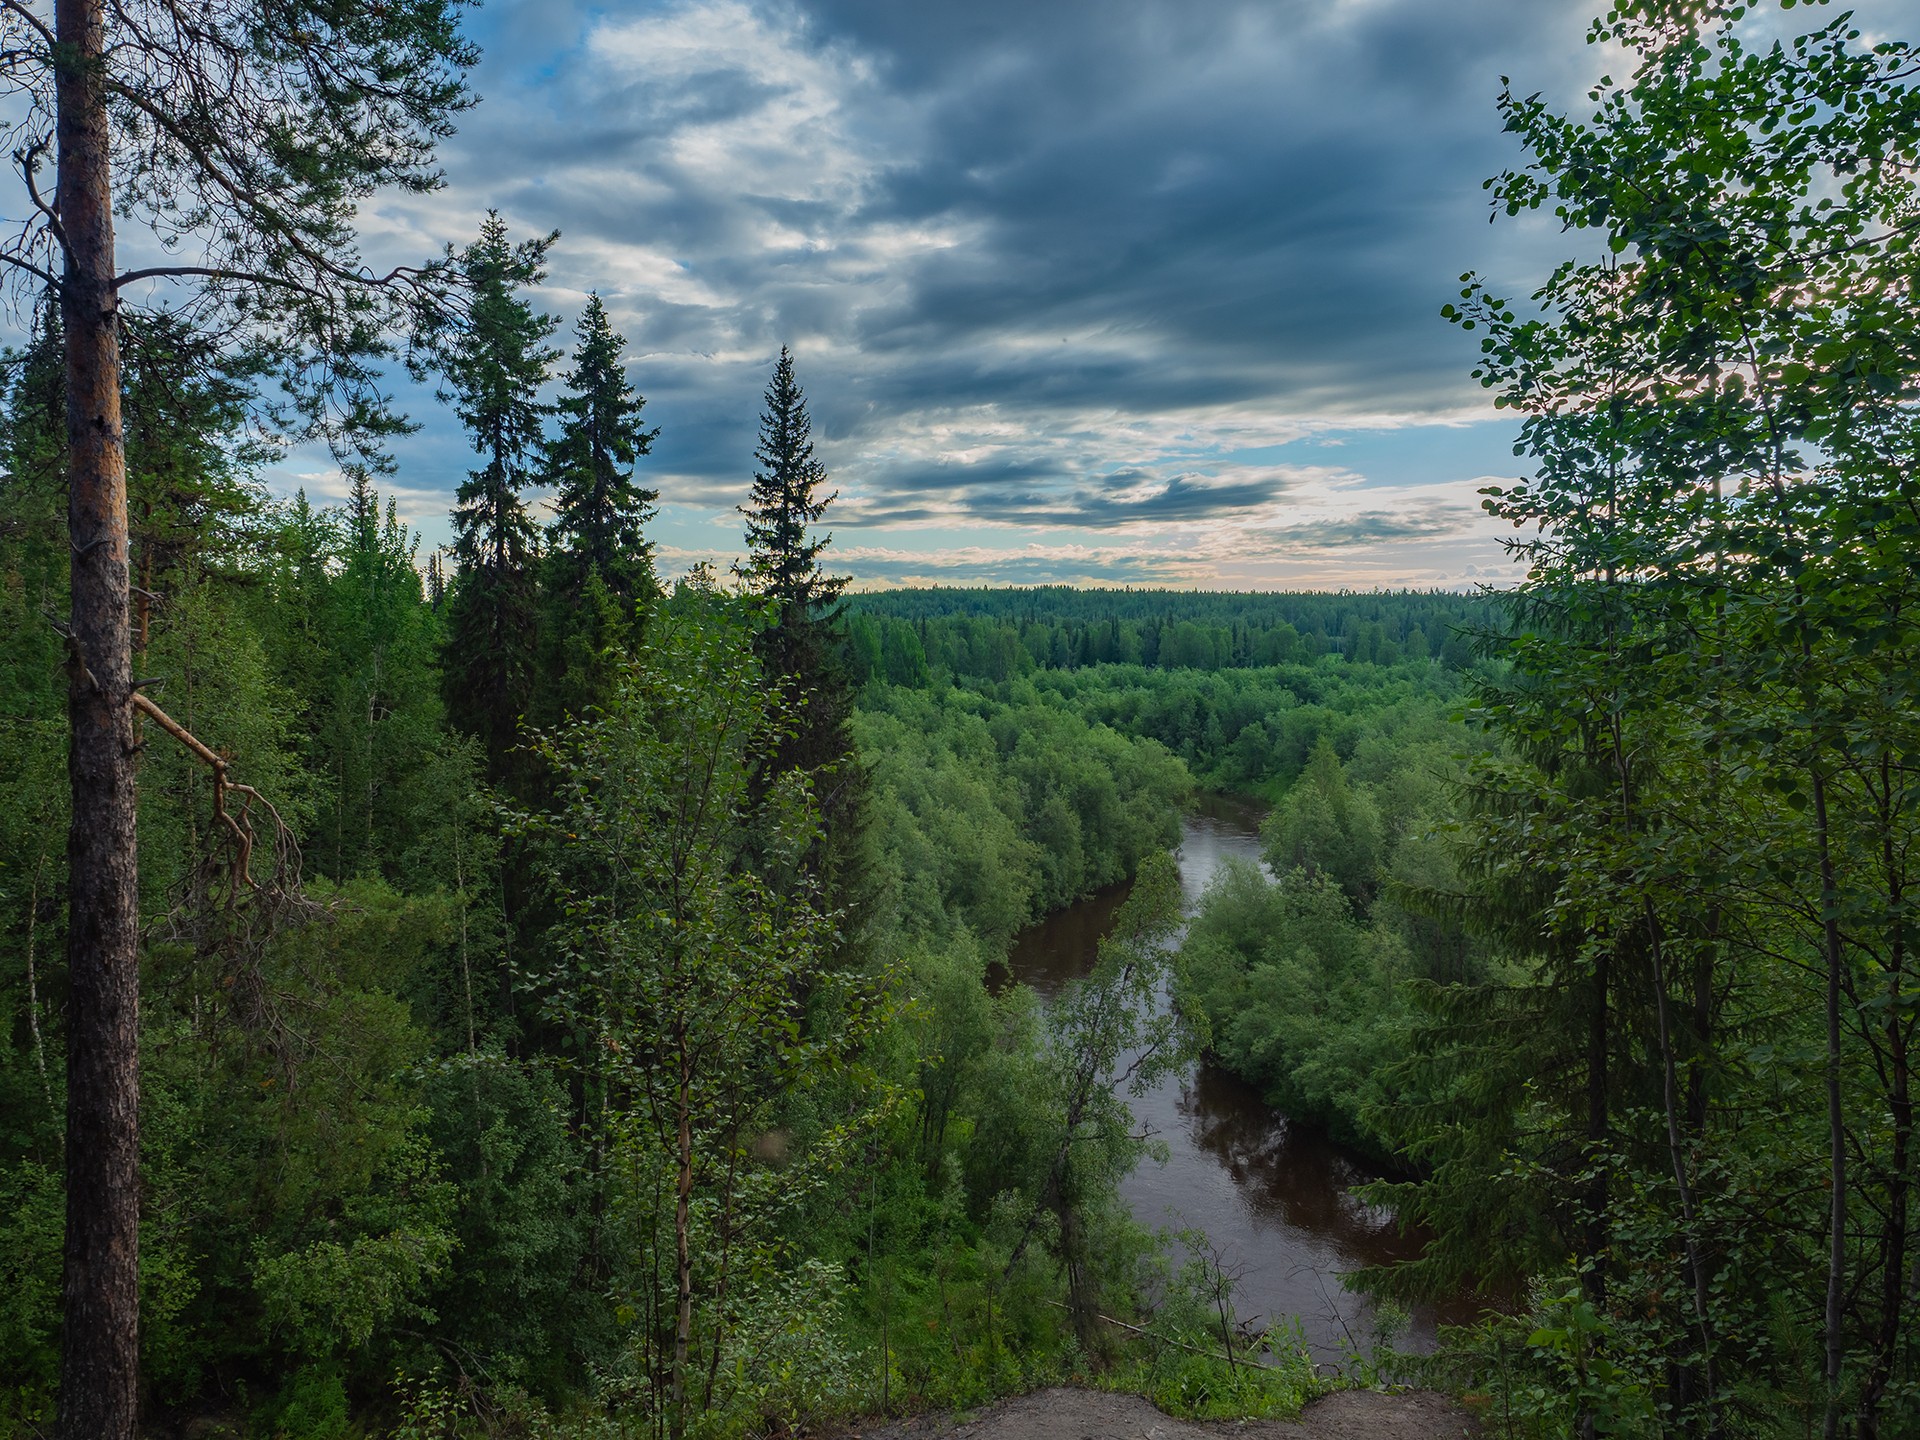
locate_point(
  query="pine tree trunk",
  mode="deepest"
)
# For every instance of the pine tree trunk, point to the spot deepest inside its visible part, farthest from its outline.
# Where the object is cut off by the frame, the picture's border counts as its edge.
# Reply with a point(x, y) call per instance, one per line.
point(100, 1357)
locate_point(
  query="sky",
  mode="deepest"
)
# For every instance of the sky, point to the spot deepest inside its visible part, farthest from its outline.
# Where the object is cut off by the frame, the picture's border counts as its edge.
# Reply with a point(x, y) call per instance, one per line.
point(1079, 291)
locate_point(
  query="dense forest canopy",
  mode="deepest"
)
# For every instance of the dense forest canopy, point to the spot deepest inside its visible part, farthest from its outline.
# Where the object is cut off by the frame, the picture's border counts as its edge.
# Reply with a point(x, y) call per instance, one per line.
point(994, 634)
point(538, 995)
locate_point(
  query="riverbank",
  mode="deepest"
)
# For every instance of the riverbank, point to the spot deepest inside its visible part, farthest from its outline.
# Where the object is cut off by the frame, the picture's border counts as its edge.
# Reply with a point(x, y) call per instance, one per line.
point(1276, 1198)
point(1065, 1413)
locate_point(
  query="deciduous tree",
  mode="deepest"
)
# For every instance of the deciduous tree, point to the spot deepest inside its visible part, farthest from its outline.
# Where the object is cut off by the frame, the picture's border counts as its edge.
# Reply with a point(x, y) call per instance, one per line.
point(1716, 636)
point(683, 949)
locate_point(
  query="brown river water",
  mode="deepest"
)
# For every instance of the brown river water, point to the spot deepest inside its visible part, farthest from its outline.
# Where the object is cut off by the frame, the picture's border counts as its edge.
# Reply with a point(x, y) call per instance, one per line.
point(1273, 1195)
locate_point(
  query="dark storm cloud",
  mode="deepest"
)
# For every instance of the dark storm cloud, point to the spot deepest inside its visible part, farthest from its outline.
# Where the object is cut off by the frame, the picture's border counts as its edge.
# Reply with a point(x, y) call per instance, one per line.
point(1036, 495)
point(1124, 501)
point(1369, 528)
point(1278, 194)
point(1008, 230)
point(1022, 568)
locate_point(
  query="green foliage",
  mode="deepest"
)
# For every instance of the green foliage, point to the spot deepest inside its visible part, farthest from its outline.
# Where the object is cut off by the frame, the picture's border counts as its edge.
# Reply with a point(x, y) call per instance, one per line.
point(331, 1296)
point(800, 648)
point(689, 936)
point(1252, 731)
point(373, 662)
point(1322, 828)
point(599, 512)
point(996, 635)
point(495, 366)
point(1194, 1359)
point(783, 553)
point(1106, 1039)
point(1554, 1370)
point(1695, 849)
point(312, 1407)
point(600, 563)
point(34, 1203)
point(989, 813)
point(1300, 998)
point(500, 1127)
point(365, 1150)
point(1275, 1380)
point(1305, 978)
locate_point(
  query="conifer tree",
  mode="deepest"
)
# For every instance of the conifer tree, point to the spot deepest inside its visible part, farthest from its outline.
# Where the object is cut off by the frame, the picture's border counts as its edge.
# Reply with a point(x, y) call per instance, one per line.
point(189, 458)
point(800, 649)
point(383, 710)
point(601, 563)
point(494, 368)
point(248, 139)
point(599, 510)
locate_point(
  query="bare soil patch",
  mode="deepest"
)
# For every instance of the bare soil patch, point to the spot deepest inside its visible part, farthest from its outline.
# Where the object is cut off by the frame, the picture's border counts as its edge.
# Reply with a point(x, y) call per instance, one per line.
point(1068, 1414)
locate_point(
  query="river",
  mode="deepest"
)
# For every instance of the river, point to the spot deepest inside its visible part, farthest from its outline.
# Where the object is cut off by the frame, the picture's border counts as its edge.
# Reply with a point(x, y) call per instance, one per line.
point(1274, 1196)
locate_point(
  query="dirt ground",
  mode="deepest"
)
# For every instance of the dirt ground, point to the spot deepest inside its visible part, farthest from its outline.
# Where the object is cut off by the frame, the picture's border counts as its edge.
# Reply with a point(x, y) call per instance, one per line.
point(1064, 1414)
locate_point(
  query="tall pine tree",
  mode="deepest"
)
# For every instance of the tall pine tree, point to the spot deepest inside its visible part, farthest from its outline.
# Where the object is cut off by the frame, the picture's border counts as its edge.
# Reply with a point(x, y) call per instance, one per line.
point(600, 565)
point(249, 138)
point(495, 366)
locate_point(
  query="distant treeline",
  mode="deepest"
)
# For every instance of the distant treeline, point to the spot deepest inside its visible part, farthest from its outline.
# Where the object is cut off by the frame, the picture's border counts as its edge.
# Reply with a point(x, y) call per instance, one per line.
point(905, 636)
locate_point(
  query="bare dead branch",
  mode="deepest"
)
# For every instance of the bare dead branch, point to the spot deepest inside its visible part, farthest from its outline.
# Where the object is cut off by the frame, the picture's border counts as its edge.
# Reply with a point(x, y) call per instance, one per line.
point(46, 277)
point(28, 157)
point(237, 823)
point(34, 22)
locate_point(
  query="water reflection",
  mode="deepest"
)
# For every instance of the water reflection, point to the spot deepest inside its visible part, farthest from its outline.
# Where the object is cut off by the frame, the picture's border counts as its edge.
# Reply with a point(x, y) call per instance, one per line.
point(1274, 1196)
point(1061, 948)
point(1288, 1174)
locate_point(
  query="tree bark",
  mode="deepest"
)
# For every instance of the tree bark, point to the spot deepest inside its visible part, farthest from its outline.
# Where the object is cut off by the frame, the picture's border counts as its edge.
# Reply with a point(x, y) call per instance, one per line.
point(99, 1366)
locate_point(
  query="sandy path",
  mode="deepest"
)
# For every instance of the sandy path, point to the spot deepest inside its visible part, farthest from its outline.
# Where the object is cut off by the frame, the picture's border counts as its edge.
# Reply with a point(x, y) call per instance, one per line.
point(1065, 1414)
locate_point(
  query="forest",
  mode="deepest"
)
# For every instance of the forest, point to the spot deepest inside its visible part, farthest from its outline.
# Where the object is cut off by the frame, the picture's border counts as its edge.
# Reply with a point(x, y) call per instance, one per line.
point(901, 635)
point(521, 990)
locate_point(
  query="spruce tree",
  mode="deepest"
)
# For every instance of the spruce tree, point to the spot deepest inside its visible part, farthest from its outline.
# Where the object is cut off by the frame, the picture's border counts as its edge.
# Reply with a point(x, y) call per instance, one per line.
point(382, 706)
point(495, 366)
point(783, 560)
point(599, 510)
point(801, 651)
point(600, 565)
point(783, 566)
point(191, 491)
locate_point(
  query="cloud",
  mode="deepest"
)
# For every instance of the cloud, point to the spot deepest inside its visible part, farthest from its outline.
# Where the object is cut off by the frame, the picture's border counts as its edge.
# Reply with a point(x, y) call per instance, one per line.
point(1107, 271)
point(1045, 267)
point(1369, 528)
point(1021, 565)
